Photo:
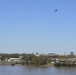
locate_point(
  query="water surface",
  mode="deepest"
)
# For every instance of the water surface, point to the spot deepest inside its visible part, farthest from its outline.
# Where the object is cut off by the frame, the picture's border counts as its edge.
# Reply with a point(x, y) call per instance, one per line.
point(29, 70)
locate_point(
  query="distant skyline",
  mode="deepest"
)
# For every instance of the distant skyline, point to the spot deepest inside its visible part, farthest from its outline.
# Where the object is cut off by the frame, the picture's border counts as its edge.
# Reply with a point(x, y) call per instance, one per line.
point(28, 26)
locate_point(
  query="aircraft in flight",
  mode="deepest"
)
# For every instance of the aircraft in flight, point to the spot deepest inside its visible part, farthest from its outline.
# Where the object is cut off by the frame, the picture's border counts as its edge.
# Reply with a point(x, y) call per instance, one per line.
point(56, 10)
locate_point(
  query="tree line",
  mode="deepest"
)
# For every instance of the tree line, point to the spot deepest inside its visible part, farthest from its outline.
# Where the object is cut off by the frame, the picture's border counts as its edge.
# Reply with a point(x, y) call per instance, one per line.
point(28, 59)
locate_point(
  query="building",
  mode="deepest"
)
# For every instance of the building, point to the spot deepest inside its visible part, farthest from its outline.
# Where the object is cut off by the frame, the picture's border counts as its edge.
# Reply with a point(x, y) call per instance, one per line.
point(14, 60)
point(51, 55)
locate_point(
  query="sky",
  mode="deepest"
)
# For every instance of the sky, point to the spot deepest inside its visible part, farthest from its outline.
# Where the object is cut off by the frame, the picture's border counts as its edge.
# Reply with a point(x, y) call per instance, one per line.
point(30, 26)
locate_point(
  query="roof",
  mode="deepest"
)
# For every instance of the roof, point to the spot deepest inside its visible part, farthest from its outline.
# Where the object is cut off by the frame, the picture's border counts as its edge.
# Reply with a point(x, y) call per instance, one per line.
point(51, 54)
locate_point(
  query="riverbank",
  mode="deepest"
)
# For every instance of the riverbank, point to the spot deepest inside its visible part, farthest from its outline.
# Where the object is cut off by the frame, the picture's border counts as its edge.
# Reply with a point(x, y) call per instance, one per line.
point(47, 65)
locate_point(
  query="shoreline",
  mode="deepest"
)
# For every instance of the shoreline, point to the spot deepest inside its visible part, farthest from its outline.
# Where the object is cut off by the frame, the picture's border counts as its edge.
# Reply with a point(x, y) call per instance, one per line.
point(5, 64)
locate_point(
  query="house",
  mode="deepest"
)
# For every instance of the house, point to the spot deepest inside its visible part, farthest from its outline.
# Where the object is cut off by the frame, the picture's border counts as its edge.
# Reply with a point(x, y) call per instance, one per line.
point(51, 55)
point(14, 60)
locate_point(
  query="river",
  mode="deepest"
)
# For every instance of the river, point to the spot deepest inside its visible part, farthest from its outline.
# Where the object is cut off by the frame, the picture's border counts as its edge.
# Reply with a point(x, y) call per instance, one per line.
point(28, 70)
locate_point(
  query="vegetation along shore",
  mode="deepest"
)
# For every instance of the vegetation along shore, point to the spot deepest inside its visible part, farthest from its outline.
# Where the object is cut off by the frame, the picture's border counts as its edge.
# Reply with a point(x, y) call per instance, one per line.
point(50, 59)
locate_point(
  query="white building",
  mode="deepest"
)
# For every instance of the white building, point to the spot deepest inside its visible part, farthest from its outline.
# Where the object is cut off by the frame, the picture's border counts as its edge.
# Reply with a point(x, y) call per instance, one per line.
point(14, 60)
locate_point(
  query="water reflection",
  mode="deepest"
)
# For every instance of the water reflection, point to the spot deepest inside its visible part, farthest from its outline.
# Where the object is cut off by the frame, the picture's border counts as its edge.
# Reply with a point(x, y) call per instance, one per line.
point(29, 70)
